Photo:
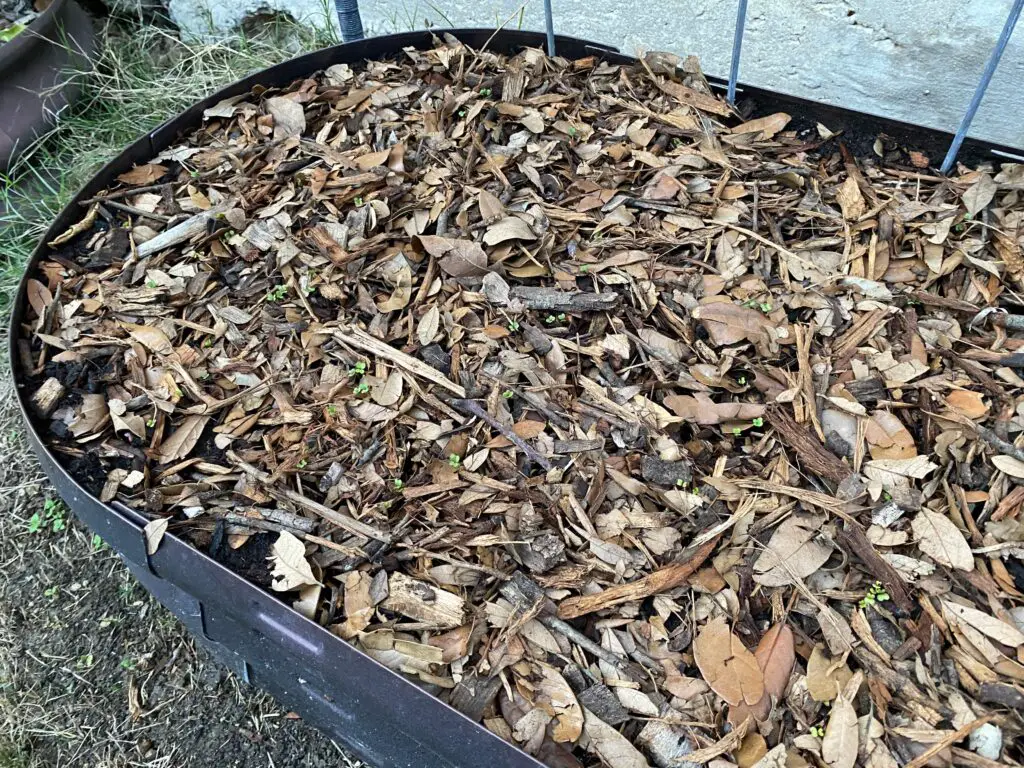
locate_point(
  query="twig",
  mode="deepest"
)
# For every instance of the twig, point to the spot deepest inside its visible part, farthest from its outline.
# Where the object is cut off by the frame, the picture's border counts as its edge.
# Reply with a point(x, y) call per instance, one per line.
point(473, 407)
point(947, 741)
point(555, 624)
point(359, 338)
point(136, 211)
point(333, 516)
point(124, 193)
point(179, 233)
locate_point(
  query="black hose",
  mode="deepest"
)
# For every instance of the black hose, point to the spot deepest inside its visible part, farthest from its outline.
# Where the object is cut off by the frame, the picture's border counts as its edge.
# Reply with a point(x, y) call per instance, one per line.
point(349, 20)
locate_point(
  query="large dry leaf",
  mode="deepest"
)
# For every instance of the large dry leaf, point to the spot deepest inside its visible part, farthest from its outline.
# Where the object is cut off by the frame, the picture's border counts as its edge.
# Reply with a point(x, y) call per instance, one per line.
point(765, 127)
point(795, 551)
point(154, 533)
point(979, 194)
point(151, 337)
point(181, 442)
point(612, 747)
point(509, 228)
point(458, 258)
point(1008, 464)
point(701, 409)
point(142, 175)
point(289, 117)
point(839, 747)
point(887, 437)
point(553, 695)
point(775, 656)
point(358, 604)
point(729, 668)
point(290, 568)
point(429, 323)
point(998, 630)
point(92, 415)
point(942, 541)
point(826, 677)
point(729, 323)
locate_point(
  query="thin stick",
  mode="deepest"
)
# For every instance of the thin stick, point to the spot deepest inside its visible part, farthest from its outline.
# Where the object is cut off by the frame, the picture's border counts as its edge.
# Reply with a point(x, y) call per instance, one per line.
point(136, 211)
point(557, 625)
point(331, 515)
point(359, 338)
point(473, 407)
point(947, 741)
point(124, 193)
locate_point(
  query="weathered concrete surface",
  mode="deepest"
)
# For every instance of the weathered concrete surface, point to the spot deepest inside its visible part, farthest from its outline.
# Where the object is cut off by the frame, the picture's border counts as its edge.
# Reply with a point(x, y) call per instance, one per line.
point(211, 19)
point(917, 61)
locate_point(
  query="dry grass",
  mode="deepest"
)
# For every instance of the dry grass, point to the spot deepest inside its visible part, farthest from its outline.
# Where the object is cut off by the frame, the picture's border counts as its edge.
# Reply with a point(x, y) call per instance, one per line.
point(93, 671)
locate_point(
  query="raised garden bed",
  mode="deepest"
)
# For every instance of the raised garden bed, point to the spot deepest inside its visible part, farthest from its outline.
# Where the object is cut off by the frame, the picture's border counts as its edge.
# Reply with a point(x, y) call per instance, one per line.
point(34, 66)
point(564, 438)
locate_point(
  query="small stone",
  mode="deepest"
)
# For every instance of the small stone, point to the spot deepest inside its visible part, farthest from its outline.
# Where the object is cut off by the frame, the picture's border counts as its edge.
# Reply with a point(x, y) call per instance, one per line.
point(987, 741)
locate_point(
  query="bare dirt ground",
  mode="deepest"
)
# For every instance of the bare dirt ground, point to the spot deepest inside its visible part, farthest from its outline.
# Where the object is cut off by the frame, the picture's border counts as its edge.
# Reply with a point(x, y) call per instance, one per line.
point(94, 672)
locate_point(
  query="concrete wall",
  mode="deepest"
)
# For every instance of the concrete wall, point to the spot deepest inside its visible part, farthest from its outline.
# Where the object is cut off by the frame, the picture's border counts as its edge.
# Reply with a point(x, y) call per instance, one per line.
point(915, 61)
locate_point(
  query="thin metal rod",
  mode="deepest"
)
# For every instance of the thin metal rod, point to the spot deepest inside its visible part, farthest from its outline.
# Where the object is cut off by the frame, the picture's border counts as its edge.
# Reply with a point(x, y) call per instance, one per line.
point(979, 92)
point(549, 24)
point(737, 45)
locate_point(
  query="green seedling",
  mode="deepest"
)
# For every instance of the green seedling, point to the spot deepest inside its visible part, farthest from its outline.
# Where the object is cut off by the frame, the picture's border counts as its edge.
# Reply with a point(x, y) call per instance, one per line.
point(818, 731)
point(361, 388)
point(572, 130)
point(742, 380)
point(765, 306)
point(332, 410)
point(277, 293)
point(876, 594)
point(887, 496)
point(51, 517)
point(550, 319)
point(357, 370)
point(513, 325)
point(398, 484)
point(151, 283)
point(485, 91)
point(150, 423)
point(207, 342)
point(508, 394)
point(584, 268)
point(195, 175)
point(302, 464)
point(85, 661)
point(454, 461)
point(51, 592)
point(758, 422)
point(97, 541)
point(127, 663)
point(736, 431)
point(359, 202)
point(680, 483)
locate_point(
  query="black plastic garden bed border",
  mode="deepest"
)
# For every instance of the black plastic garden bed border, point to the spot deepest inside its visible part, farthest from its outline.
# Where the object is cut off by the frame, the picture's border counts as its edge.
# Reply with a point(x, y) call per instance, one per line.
point(383, 717)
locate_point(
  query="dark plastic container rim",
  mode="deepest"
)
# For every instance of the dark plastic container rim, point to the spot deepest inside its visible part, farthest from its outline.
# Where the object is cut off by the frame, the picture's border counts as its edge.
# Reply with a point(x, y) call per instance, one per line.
point(420, 729)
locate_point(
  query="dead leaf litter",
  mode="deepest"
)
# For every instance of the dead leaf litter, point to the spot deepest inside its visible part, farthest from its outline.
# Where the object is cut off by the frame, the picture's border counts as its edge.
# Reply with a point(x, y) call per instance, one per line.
point(642, 434)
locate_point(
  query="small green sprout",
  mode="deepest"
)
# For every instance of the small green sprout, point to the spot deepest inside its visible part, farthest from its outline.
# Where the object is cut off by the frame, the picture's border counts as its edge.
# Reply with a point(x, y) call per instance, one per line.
point(85, 661)
point(332, 410)
point(818, 731)
point(550, 319)
point(35, 523)
point(358, 369)
point(361, 388)
point(758, 422)
point(454, 461)
point(766, 306)
point(561, 317)
point(151, 283)
point(302, 464)
point(736, 431)
point(178, 392)
point(680, 483)
point(462, 113)
point(97, 541)
point(513, 325)
point(398, 484)
point(127, 663)
point(584, 268)
point(207, 342)
point(876, 594)
point(359, 202)
point(887, 496)
point(968, 216)
point(508, 394)
point(150, 422)
point(277, 293)
point(695, 491)
point(572, 130)
point(485, 91)
point(742, 380)
point(194, 174)
point(59, 524)
point(51, 592)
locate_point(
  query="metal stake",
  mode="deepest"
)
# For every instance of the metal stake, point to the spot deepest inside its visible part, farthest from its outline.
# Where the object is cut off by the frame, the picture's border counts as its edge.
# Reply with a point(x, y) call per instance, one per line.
point(737, 44)
point(986, 78)
point(549, 23)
